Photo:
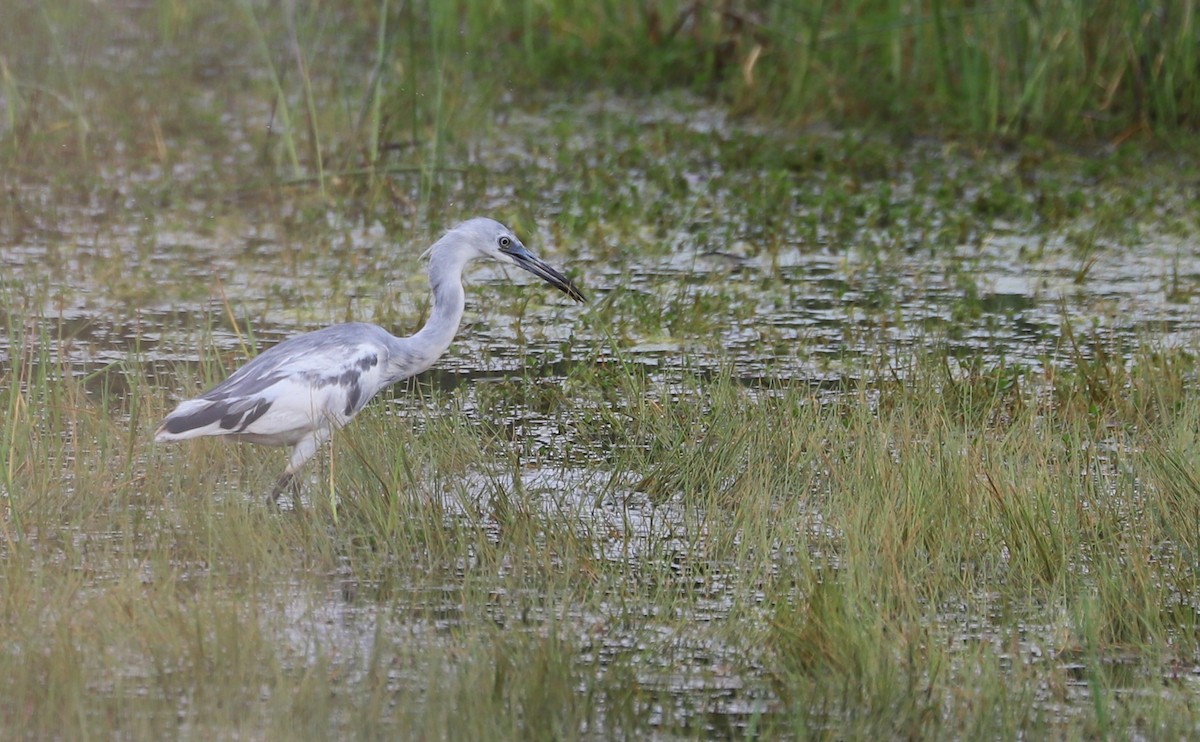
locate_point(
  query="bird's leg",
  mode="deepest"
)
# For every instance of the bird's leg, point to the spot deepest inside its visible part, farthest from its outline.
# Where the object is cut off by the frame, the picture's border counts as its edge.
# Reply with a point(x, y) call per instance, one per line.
point(289, 482)
point(286, 481)
point(301, 453)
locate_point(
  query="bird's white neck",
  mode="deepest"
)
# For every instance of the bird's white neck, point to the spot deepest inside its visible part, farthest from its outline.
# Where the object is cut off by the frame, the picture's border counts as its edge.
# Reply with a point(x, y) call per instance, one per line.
point(432, 340)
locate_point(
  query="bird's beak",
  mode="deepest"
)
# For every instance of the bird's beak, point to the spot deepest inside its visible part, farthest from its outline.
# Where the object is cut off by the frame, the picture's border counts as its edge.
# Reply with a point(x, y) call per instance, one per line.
point(530, 262)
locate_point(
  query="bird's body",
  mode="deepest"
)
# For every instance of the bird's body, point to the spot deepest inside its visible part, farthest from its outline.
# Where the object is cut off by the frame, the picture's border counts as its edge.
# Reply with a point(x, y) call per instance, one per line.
point(296, 393)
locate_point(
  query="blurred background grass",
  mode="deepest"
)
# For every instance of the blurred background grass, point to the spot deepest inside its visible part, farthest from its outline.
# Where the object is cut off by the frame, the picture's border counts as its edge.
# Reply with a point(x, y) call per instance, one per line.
point(354, 83)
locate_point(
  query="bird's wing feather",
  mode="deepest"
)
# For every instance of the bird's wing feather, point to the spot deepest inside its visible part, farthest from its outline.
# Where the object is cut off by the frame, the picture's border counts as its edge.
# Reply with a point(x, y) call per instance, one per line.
point(319, 378)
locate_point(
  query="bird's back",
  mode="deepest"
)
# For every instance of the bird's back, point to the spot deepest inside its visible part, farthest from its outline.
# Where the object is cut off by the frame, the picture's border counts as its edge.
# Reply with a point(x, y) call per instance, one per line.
point(318, 378)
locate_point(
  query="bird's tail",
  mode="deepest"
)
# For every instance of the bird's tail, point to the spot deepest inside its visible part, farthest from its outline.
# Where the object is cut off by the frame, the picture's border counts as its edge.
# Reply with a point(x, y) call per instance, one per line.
point(199, 417)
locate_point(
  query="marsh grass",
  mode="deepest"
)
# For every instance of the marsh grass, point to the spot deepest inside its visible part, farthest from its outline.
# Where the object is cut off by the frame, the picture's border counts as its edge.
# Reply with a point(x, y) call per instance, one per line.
point(594, 546)
point(856, 563)
point(377, 104)
point(1065, 69)
point(958, 547)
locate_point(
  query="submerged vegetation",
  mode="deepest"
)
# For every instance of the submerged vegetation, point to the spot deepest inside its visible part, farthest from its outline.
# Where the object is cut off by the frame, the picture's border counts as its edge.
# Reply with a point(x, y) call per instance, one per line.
point(883, 416)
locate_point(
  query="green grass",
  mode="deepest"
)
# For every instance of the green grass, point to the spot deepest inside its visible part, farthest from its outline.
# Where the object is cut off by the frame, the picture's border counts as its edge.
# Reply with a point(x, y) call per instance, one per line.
point(381, 99)
point(819, 509)
point(900, 557)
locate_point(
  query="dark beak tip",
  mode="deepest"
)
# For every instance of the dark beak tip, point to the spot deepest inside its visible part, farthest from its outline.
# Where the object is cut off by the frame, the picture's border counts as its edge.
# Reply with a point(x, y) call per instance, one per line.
point(551, 276)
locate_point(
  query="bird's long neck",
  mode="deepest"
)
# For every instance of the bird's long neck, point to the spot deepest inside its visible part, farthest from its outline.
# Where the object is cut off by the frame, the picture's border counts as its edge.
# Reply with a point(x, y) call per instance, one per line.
point(421, 350)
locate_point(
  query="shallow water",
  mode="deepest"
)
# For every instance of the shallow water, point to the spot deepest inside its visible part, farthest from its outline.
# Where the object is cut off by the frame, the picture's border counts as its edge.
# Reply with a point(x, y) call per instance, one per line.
point(700, 286)
point(697, 283)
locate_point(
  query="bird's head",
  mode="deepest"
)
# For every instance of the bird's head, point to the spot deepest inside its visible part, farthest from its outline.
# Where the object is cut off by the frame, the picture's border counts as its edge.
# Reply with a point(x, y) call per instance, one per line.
point(488, 238)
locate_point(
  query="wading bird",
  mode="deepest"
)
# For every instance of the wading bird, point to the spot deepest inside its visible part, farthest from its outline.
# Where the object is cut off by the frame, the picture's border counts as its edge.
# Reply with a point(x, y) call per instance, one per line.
point(297, 392)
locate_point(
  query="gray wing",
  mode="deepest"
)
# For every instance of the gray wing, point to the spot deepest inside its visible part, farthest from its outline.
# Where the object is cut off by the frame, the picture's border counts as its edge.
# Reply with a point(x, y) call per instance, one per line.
point(331, 372)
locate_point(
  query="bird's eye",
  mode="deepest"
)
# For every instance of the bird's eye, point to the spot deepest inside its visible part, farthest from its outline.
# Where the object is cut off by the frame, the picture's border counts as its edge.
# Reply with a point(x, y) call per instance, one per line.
point(505, 243)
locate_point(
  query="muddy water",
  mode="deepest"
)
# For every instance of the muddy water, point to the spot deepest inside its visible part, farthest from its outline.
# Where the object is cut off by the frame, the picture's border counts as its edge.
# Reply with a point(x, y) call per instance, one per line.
point(701, 279)
point(800, 314)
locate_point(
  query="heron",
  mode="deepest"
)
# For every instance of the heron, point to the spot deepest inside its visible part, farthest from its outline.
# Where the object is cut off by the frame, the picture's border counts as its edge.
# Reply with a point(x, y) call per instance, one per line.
point(298, 392)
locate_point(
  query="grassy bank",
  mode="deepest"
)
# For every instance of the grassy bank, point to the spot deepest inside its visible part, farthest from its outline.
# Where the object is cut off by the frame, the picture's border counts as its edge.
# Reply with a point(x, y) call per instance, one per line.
point(363, 90)
point(1071, 69)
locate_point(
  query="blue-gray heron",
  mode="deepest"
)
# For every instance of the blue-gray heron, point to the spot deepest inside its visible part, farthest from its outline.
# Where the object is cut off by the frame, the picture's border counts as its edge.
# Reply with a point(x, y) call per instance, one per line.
point(297, 392)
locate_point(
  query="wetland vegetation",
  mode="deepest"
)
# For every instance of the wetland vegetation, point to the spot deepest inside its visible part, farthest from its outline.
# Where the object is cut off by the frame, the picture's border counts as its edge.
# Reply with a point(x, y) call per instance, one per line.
point(882, 420)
